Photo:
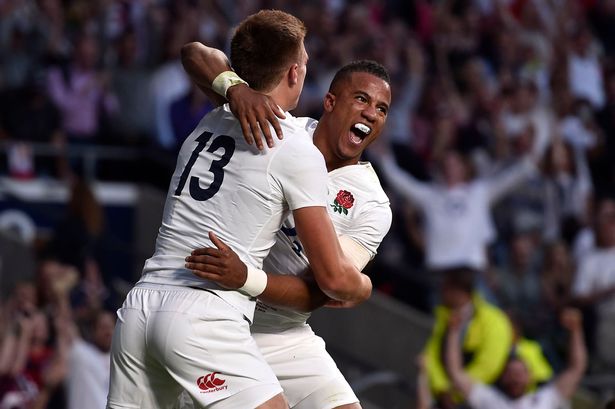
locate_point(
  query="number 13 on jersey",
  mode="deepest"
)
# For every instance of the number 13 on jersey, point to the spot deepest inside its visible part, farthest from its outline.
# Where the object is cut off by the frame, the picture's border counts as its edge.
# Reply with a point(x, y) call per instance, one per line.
point(216, 167)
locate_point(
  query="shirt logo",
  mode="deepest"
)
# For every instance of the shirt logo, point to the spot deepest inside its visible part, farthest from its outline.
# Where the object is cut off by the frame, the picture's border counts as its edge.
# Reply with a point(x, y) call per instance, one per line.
point(343, 201)
point(209, 383)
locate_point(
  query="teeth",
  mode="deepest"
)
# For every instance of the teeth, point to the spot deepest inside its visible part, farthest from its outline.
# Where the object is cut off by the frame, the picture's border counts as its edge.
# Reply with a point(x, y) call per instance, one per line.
point(363, 128)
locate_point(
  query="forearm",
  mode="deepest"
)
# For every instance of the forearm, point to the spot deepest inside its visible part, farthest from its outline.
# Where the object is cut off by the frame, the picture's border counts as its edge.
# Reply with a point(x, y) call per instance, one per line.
point(345, 283)
point(577, 352)
point(292, 292)
point(203, 64)
point(510, 179)
point(454, 363)
point(335, 273)
point(568, 381)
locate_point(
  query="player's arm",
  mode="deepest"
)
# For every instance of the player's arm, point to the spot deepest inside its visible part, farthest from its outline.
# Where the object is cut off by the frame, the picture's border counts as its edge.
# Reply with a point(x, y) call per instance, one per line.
point(337, 275)
point(224, 267)
point(453, 360)
point(567, 382)
point(203, 64)
point(210, 69)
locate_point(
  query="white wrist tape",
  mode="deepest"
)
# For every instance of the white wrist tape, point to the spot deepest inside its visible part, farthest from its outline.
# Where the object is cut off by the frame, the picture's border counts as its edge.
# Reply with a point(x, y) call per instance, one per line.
point(355, 252)
point(256, 282)
point(224, 81)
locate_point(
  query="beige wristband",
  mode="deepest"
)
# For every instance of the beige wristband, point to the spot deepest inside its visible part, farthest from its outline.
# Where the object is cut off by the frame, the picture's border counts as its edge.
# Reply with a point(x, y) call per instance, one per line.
point(256, 282)
point(224, 81)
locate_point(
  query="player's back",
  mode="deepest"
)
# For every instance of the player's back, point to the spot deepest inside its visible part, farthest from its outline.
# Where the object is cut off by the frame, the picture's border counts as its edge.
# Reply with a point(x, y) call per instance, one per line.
point(224, 185)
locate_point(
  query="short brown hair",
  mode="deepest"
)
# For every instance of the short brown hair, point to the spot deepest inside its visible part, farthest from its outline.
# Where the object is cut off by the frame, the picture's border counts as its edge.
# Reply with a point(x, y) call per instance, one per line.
point(264, 45)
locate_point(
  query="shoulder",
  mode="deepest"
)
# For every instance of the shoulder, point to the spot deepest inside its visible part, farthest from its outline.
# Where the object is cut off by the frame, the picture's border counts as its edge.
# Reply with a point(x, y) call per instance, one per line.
point(489, 314)
point(307, 123)
point(360, 178)
point(296, 138)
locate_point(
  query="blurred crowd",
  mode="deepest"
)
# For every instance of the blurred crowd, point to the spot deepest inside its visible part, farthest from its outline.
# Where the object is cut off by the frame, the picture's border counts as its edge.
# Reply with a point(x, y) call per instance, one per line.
point(498, 157)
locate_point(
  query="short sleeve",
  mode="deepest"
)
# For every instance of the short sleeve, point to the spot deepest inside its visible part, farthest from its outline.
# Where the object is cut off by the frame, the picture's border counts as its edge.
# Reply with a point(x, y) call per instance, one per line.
point(375, 224)
point(300, 172)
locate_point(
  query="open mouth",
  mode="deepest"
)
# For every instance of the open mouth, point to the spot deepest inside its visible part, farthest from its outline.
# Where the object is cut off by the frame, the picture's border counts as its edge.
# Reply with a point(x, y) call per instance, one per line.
point(358, 132)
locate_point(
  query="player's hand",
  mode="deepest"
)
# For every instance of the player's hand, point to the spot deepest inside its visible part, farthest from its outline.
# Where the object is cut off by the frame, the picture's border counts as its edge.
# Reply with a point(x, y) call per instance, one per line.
point(571, 319)
point(220, 265)
point(255, 111)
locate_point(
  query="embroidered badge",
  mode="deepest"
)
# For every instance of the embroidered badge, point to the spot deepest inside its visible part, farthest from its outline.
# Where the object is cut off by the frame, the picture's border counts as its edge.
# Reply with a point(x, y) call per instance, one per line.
point(343, 202)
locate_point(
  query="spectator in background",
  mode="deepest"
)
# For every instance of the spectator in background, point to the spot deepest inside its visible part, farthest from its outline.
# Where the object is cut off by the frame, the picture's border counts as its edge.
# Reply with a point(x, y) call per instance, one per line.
point(456, 211)
point(584, 70)
point(594, 283)
point(130, 82)
point(513, 383)
point(36, 365)
point(487, 338)
point(170, 82)
point(517, 281)
point(531, 353)
point(28, 116)
point(568, 189)
point(77, 239)
point(556, 279)
point(80, 92)
point(87, 378)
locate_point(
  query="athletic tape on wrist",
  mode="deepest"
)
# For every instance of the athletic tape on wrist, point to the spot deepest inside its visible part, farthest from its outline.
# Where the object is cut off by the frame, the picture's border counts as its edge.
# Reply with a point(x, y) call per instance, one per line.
point(224, 81)
point(256, 282)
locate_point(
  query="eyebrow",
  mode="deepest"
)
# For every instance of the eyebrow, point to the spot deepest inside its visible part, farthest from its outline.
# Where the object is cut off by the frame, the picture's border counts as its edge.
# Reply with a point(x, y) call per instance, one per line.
point(365, 94)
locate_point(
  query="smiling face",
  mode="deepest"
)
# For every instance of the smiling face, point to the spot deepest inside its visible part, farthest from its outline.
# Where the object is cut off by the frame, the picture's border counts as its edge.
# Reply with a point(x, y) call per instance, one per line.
point(355, 111)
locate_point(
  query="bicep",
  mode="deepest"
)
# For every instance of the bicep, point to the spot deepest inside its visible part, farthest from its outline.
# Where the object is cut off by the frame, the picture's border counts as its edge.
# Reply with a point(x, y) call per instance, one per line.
point(318, 238)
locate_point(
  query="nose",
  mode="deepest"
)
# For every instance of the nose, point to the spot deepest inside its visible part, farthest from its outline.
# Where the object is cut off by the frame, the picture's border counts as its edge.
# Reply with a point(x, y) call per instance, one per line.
point(370, 113)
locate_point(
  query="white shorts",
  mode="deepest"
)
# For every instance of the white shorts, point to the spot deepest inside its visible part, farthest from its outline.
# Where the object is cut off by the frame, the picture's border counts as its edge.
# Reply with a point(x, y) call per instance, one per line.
point(309, 376)
point(171, 338)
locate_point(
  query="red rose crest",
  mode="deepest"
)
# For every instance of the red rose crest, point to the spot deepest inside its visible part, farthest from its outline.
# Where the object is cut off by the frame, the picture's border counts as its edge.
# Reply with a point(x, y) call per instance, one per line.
point(343, 202)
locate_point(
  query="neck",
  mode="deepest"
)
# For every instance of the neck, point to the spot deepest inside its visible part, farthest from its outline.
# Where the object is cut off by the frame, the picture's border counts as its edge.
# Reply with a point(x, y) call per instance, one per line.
point(320, 141)
point(280, 95)
point(331, 159)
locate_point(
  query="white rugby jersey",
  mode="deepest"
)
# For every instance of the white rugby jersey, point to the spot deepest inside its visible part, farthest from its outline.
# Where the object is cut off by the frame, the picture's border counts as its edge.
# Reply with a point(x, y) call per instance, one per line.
point(358, 207)
point(224, 185)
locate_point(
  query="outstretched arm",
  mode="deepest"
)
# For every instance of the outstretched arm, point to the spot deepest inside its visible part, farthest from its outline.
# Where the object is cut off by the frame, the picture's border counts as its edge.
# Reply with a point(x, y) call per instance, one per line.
point(460, 378)
point(567, 382)
point(255, 111)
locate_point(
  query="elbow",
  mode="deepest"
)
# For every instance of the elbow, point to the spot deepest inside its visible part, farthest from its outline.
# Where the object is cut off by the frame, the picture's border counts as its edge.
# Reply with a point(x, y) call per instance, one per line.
point(189, 52)
point(346, 286)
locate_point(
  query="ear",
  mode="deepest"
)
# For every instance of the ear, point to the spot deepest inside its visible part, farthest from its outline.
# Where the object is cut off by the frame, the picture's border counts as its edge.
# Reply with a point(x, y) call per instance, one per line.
point(293, 76)
point(329, 102)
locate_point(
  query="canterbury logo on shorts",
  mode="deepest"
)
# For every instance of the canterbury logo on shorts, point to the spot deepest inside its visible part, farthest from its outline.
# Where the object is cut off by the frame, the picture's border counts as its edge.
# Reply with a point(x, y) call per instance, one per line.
point(210, 383)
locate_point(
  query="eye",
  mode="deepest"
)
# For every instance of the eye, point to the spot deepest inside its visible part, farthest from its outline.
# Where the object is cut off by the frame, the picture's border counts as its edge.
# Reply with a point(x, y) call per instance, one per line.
point(383, 110)
point(361, 98)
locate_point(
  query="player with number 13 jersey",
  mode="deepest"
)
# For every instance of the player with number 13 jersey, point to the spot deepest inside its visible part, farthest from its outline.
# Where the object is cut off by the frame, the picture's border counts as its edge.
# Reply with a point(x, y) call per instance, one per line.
point(221, 184)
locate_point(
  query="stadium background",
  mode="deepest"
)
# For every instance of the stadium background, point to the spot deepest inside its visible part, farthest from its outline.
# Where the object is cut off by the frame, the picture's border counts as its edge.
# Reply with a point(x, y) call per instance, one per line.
point(84, 168)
